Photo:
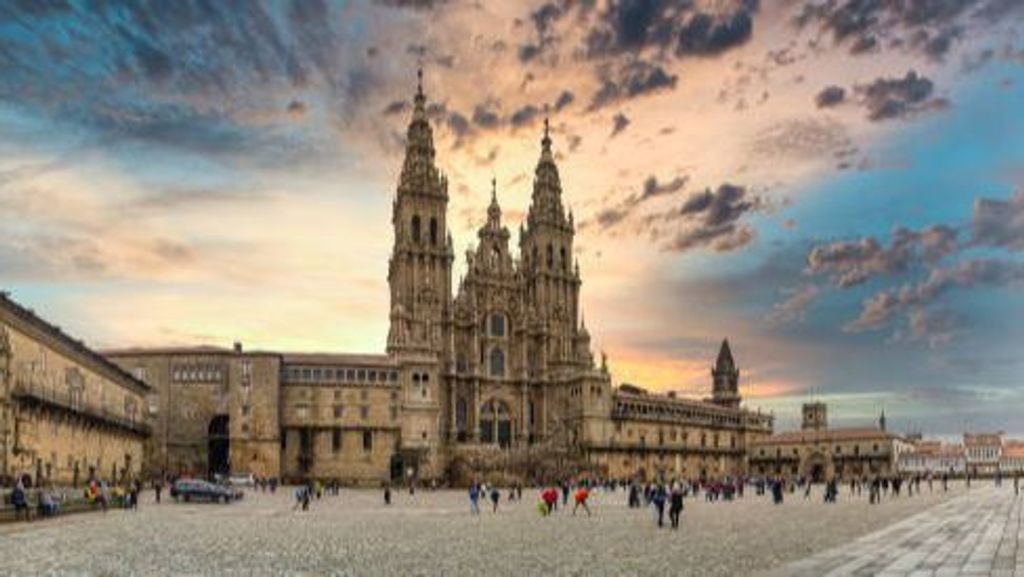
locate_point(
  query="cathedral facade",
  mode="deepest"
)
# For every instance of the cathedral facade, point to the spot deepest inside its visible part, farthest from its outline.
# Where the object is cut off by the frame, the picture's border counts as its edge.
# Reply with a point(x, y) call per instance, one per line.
point(500, 361)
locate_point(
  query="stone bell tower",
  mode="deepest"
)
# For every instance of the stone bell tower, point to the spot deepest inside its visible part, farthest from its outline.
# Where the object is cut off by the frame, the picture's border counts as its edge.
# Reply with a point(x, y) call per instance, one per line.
point(815, 416)
point(726, 378)
point(551, 275)
point(420, 269)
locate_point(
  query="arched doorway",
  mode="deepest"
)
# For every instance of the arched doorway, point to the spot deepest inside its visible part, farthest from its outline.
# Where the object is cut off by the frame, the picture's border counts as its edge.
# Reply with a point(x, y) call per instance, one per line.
point(816, 468)
point(218, 446)
point(496, 423)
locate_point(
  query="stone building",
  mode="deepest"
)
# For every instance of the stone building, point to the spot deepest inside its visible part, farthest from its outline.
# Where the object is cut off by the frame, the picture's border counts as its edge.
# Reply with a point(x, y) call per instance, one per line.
point(214, 408)
point(67, 414)
point(933, 456)
point(499, 361)
point(819, 452)
point(983, 451)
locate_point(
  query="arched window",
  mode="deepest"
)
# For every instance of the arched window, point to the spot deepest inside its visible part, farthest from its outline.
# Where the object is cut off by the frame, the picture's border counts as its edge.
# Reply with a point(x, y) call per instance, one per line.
point(497, 325)
point(565, 262)
point(461, 418)
point(433, 232)
point(551, 257)
point(496, 423)
point(416, 228)
point(536, 258)
point(497, 362)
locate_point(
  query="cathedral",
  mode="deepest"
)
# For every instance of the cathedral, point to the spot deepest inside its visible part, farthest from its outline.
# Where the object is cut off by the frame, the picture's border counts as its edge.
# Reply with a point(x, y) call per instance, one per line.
point(509, 349)
point(499, 363)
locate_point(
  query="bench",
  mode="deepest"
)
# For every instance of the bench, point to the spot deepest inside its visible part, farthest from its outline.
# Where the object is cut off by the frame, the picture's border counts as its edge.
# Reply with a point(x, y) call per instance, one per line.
point(74, 502)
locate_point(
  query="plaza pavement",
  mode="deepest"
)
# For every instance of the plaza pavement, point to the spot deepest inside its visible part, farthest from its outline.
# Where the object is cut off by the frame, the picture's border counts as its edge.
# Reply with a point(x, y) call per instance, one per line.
point(980, 534)
point(433, 533)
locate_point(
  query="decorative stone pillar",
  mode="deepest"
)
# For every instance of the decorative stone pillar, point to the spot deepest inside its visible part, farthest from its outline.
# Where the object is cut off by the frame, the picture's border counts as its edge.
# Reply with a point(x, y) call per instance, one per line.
point(475, 434)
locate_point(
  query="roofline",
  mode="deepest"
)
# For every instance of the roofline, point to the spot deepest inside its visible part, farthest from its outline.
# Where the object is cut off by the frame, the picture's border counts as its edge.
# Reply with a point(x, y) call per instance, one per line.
point(73, 345)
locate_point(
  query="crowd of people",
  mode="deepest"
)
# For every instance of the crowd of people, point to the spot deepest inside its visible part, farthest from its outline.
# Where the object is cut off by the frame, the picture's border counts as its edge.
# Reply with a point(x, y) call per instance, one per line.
point(660, 496)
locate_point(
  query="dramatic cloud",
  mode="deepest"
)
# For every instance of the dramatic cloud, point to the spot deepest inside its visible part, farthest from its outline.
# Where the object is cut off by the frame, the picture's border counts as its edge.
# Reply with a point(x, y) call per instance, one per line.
point(412, 4)
point(652, 188)
point(619, 123)
point(525, 115)
point(888, 98)
point(633, 79)
point(936, 328)
point(878, 309)
point(794, 308)
point(706, 35)
point(712, 219)
point(930, 26)
point(830, 96)
point(1000, 223)
point(485, 117)
point(851, 263)
point(564, 99)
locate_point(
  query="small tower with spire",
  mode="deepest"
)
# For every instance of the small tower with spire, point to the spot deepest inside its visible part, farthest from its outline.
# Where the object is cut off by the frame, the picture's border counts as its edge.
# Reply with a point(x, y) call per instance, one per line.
point(881, 421)
point(726, 379)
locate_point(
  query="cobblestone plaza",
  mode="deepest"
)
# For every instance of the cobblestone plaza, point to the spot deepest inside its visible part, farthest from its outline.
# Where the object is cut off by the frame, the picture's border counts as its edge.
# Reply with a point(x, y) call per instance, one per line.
point(975, 532)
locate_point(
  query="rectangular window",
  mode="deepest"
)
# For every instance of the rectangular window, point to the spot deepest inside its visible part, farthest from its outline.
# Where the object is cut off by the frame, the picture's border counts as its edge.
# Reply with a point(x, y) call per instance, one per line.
point(367, 441)
point(336, 441)
point(317, 373)
point(338, 411)
point(350, 375)
point(246, 410)
point(361, 375)
point(364, 412)
point(373, 376)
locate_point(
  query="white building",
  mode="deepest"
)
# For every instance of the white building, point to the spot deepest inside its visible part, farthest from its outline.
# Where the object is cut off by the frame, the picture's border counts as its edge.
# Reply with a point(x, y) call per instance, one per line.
point(983, 451)
point(932, 457)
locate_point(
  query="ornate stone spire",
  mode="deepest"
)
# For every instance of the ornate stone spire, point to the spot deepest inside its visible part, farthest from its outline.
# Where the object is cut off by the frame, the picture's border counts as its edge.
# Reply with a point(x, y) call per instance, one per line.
point(494, 210)
point(419, 174)
point(546, 203)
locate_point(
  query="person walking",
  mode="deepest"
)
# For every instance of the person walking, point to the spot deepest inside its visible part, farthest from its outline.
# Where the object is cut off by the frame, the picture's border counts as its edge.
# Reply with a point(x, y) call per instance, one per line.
point(158, 488)
point(387, 494)
point(675, 505)
point(474, 498)
point(658, 499)
point(550, 498)
point(495, 497)
point(1016, 483)
point(581, 496)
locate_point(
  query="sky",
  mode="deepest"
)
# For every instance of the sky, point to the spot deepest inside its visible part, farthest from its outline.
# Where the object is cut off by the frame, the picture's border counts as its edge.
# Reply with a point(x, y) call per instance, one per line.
point(837, 186)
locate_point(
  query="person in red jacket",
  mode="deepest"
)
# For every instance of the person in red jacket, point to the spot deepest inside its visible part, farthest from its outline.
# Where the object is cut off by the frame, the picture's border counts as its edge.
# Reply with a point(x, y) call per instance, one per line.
point(581, 500)
point(550, 497)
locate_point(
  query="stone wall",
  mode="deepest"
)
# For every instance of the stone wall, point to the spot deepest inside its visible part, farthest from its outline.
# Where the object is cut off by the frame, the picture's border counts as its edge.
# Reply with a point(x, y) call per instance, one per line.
point(66, 410)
